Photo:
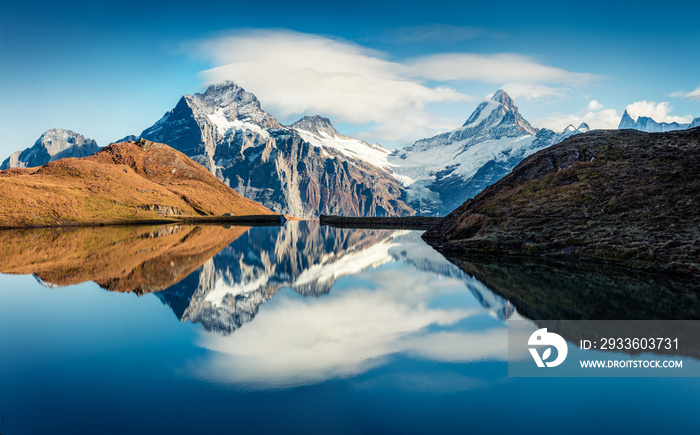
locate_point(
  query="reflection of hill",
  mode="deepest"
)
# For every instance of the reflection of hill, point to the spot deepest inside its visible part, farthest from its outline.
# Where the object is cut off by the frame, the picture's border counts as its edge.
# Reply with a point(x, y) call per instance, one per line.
point(553, 294)
point(544, 290)
point(126, 259)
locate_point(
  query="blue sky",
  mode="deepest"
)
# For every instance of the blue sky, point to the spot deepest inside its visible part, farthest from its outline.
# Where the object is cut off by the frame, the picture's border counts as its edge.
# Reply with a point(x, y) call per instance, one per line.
point(386, 71)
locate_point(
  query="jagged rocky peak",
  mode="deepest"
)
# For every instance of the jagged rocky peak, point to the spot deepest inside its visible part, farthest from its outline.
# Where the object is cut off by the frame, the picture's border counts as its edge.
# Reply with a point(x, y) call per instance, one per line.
point(231, 102)
point(56, 140)
point(316, 124)
point(582, 128)
point(54, 144)
point(501, 115)
point(626, 121)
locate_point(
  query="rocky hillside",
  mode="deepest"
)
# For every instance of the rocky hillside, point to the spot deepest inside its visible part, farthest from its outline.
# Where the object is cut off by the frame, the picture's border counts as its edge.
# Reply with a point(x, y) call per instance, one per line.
point(622, 196)
point(53, 145)
point(121, 183)
point(305, 175)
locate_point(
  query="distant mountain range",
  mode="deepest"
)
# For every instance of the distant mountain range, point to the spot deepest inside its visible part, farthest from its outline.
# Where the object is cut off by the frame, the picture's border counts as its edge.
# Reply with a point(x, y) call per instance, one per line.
point(308, 168)
point(644, 123)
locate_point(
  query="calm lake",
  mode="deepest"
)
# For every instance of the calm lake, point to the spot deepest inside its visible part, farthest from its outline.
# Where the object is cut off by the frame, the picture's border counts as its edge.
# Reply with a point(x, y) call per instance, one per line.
point(304, 329)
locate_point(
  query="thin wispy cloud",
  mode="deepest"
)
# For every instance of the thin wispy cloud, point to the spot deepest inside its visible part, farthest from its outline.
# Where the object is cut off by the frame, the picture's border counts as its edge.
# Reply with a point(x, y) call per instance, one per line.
point(534, 91)
point(296, 74)
point(491, 68)
point(437, 33)
point(692, 95)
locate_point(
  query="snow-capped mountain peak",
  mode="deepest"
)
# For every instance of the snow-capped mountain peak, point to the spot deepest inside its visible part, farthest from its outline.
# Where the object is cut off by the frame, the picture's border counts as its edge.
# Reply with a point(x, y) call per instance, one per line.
point(224, 103)
point(316, 124)
point(499, 114)
point(54, 144)
point(441, 172)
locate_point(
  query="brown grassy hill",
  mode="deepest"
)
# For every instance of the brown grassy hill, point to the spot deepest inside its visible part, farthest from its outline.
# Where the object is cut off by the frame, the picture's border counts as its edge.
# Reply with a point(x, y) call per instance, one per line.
point(137, 259)
point(123, 182)
point(623, 196)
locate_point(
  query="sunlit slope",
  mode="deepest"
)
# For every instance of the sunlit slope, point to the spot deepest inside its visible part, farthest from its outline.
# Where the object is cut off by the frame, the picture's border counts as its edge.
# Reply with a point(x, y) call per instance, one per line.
point(123, 182)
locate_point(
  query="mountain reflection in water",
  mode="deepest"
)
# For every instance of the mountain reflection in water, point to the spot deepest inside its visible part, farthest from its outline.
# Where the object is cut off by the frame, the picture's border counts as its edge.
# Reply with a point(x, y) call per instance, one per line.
point(303, 303)
point(219, 276)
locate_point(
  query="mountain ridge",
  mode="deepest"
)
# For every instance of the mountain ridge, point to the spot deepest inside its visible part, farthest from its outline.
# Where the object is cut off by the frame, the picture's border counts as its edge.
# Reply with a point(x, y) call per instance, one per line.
point(227, 132)
point(441, 172)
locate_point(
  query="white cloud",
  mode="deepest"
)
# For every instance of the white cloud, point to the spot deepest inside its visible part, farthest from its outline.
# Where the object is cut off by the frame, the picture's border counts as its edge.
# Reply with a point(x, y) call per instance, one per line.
point(295, 74)
point(594, 105)
point(533, 91)
point(490, 68)
point(658, 112)
point(601, 119)
point(692, 95)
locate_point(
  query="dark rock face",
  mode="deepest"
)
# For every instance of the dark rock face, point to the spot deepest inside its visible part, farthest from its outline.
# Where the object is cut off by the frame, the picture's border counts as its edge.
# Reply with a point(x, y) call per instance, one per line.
point(227, 132)
point(621, 196)
point(53, 145)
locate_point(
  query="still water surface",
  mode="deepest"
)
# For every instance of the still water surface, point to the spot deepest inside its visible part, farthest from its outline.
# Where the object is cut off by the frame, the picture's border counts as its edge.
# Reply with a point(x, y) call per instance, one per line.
point(294, 329)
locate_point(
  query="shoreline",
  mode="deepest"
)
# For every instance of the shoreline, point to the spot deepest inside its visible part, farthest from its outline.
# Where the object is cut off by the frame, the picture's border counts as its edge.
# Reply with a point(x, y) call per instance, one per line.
point(250, 220)
point(406, 222)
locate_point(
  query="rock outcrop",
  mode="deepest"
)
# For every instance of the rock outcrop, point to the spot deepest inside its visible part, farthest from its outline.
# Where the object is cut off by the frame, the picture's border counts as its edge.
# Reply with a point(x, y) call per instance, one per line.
point(621, 196)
